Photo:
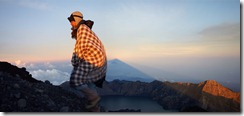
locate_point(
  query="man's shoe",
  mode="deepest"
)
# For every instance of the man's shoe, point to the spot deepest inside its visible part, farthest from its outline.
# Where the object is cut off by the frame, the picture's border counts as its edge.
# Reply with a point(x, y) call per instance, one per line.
point(93, 103)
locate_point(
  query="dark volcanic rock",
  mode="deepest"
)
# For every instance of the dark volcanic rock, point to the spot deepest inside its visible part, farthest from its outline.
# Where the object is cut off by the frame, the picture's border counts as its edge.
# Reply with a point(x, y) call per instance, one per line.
point(15, 71)
point(126, 110)
point(193, 109)
point(22, 93)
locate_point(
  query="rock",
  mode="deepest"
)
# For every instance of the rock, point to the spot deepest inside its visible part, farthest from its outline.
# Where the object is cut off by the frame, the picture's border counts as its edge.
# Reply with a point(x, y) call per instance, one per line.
point(48, 82)
point(39, 90)
point(125, 110)
point(51, 103)
point(22, 103)
point(17, 95)
point(192, 109)
point(20, 92)
point(16, 86)
point(14, 70)
point(64, 109)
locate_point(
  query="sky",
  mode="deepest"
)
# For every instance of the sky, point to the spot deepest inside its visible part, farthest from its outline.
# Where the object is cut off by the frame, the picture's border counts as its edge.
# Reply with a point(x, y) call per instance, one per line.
point(197, 39)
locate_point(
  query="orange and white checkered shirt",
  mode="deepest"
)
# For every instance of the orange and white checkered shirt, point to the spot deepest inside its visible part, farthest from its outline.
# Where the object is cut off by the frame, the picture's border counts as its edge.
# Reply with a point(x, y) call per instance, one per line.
point(89, 58)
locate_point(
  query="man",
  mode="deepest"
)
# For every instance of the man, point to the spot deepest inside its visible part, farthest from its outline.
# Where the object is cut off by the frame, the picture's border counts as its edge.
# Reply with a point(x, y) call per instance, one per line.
point(88, 60)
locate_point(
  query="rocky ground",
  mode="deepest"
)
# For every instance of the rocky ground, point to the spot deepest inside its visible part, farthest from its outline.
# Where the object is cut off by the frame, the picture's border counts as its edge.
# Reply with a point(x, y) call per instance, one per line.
point(20, 95)
point(20, 92)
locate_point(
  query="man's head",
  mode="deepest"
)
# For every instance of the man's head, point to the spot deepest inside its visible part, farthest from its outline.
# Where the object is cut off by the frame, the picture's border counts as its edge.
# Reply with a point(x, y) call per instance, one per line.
point(75, 18)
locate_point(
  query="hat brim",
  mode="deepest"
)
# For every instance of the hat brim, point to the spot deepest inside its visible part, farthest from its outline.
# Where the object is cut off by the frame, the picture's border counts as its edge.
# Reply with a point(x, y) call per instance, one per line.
point(71, 18)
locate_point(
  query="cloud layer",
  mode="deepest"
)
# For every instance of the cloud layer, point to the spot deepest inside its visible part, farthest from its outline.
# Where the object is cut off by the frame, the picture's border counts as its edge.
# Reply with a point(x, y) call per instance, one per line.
point(55, 76)
point(55, 72)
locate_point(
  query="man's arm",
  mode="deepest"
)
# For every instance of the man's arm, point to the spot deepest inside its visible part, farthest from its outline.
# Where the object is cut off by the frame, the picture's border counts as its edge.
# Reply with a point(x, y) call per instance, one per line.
point(74, 60)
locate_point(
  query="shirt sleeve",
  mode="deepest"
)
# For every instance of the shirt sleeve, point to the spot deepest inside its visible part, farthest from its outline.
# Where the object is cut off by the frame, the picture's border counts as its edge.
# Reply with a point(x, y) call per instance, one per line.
point(74, 60)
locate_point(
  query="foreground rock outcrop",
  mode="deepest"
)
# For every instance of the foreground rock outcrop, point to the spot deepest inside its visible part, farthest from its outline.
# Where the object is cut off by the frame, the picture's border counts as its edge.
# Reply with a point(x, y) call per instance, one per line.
point(22, 93)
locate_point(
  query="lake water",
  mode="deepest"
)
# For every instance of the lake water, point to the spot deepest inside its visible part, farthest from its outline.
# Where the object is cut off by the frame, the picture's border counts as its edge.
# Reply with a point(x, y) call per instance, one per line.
point(146, 104)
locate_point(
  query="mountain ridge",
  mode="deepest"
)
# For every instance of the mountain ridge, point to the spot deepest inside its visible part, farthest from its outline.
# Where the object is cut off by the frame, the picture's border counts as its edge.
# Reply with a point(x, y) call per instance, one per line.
point(178, 95)
point(226, 92)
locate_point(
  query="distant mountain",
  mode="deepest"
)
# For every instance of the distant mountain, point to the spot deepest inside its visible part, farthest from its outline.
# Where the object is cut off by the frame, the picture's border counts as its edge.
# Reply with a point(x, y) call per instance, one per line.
point(119, 70)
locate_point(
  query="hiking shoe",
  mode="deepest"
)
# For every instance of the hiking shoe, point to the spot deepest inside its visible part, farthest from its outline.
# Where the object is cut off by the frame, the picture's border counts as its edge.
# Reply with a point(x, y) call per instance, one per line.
point(93, 103)
point(96, 108)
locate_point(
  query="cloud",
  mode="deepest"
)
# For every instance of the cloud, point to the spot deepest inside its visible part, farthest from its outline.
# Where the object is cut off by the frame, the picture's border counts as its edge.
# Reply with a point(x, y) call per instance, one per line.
point(55, 72)
point(168, 49)
point(221, 40)
point(31, 66)
point(222, 32)
point(54, 76)
point(33, 4)
point(49, 65)
point(19, 63)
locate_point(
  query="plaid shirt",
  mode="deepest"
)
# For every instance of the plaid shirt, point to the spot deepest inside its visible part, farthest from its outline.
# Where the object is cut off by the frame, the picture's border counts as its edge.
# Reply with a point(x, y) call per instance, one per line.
point(89, 58)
